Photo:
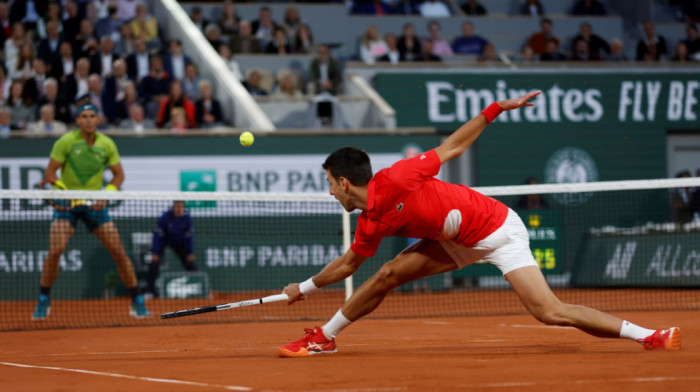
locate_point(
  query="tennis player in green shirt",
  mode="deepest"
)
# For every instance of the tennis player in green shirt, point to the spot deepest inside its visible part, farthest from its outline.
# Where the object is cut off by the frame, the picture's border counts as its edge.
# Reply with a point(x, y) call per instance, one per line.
point(82, 156)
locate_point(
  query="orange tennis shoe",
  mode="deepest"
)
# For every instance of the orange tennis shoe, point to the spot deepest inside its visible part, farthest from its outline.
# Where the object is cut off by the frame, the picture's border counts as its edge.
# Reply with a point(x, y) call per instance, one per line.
point(664, 339)
point(313, 342)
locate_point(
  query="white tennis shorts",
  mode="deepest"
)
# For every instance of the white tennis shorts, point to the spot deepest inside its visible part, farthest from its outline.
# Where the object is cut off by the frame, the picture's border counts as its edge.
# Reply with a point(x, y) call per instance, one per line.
point(508, 248)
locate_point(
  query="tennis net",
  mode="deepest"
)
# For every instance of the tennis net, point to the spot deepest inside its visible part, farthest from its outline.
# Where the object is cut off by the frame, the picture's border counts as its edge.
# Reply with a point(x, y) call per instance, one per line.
point(615, 246)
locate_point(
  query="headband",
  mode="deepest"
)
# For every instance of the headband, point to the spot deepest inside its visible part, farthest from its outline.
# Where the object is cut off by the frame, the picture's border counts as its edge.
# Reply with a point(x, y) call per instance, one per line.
point(87, 106)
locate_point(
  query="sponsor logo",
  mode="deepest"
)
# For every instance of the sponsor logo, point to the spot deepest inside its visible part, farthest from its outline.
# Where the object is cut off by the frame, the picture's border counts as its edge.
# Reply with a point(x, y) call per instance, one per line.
point(399, 207)
point(570, 165)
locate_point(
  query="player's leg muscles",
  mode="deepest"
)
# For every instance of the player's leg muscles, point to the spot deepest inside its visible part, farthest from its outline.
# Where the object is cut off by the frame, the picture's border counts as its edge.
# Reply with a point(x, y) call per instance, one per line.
point(422, 259)
point(61, 231)
point(109, 235)
point(538, 298)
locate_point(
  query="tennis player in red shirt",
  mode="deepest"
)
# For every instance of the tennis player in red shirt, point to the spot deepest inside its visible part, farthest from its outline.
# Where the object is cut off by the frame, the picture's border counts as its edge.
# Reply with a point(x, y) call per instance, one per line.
point(457, 227)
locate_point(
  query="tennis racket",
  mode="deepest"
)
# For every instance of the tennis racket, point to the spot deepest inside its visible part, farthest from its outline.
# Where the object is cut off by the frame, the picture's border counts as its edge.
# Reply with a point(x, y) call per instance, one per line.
point(62, 204)
point(216, 308)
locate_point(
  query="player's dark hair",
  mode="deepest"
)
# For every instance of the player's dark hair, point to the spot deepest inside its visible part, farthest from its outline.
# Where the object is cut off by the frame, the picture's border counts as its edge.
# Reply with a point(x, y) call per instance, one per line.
point(351, 163)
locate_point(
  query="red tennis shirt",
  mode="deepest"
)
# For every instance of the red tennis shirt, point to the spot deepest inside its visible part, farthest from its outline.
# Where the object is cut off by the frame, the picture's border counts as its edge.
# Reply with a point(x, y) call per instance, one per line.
point(406, 200)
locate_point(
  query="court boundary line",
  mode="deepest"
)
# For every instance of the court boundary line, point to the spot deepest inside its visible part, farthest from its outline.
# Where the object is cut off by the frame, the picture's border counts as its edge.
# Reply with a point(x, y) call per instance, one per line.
point(130, 377)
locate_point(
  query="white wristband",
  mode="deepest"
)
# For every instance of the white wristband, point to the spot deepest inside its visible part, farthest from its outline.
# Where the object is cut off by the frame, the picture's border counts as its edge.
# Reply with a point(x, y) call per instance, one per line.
point(308, 287)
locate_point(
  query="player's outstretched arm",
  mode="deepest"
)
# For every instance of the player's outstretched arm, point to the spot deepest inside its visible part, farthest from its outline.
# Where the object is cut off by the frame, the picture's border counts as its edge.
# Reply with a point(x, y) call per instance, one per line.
point(51, 168)
point(333, 272)
point(463, 137)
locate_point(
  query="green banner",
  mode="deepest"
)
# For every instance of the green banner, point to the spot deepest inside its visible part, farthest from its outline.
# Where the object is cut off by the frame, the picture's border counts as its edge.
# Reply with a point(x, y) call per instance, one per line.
point(656, 260)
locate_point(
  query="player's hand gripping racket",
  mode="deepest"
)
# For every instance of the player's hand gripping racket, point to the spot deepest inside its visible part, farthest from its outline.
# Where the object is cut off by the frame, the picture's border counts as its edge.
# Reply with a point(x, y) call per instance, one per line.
point(62, 204)
point(216, 308)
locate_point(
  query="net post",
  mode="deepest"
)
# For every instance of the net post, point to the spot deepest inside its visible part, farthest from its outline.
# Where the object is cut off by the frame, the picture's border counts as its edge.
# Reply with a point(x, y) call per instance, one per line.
point(346, 247)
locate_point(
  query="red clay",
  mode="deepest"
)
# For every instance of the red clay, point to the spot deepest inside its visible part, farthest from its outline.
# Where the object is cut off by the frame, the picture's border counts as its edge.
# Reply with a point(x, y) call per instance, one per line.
point(505, 353)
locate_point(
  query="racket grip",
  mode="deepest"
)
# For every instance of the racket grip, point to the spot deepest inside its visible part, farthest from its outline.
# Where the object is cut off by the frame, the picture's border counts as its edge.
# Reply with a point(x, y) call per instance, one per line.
point(274, 298)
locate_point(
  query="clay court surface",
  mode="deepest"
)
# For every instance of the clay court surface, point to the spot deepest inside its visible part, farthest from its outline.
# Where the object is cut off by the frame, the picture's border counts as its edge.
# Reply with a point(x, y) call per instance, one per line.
point(506, 353)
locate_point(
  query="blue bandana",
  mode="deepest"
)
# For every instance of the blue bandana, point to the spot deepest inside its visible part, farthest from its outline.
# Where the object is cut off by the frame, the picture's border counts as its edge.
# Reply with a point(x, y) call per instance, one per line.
point(87, 106)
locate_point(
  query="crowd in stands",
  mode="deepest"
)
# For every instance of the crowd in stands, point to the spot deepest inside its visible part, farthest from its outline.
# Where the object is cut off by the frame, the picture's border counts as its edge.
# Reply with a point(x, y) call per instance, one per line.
point(57, 53)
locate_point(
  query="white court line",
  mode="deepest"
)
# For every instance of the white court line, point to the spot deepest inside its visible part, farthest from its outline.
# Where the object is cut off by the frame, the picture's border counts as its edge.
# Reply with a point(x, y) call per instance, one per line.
point(117, 375)
point(535, 326)
point(589, 381)
point(436, 322)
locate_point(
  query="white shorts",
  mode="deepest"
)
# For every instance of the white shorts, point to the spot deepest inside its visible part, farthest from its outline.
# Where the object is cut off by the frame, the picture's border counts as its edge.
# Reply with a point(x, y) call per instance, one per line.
point(508, 248)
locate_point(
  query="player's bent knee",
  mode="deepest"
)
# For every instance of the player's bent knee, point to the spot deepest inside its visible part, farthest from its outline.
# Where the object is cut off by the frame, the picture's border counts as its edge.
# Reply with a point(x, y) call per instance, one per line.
point(552, 314)
point(386, 278)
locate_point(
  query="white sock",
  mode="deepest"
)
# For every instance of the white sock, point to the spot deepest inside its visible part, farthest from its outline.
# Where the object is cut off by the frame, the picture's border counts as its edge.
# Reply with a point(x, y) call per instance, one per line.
point(337, 324)
point(634, 332)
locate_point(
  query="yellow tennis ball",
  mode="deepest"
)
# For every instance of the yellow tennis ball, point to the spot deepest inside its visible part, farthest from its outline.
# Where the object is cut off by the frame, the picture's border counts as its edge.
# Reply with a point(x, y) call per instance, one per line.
point(246, 139)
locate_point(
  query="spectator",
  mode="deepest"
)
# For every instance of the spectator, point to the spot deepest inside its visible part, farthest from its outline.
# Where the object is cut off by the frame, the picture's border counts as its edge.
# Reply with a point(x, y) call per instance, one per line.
point(264, 27)
point(372, 46)
point(145, 26)
point(176, 99)
point(324, 72)
point(5, 25)
point(692, 42)
point(596, 45)
point(5, 122)
point(28, 12)
point(46, 124)
point(428, 53)
point(279, 44)
point(552, 52)
point(392, 55)
point(406, 7)
point(4, 86)
point(652, 46)
point(581, 52)
point(101, 61)
point(47, 48)
point(207, 108)
point(473, 8)
point(532, 201)
point(213, 35)
point(254, 84)
point(124, 46)
point(131, 97)
point(22, 112)
point(137, 122)
point(371, 7)
point(469, 42)
point(101, 99)
point(61, 107)
point(14, 43)
point(287, 87)
point(115, 83)
point(198, 19)
point(538, 41)
point(76, 84)
point(291, 22)
point(174, 62)
point(409, 45)
point(225, 53)
point(20, 67)
point(138, 63)
point(178, 121)
point(489, 53)
point(532, 8)
point(527, 55)
point(588, 7)
point(190, 83)
point(34, 84)
point(681, 203)
point(64, 65)
point(616, 51)
point(53, 14)
point(434, 9)
point(127, 9)
point(228, 21)
point(154, 88)
point(175, 230)
point(681, 54)
point(85, 43)
point(440, 46)
point(245, 42)
point(110, 25)
point(71, 24)
point(304, 41)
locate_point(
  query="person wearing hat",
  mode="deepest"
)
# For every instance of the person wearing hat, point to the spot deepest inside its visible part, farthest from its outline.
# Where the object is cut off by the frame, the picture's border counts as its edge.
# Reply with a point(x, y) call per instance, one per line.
point(89, 153)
